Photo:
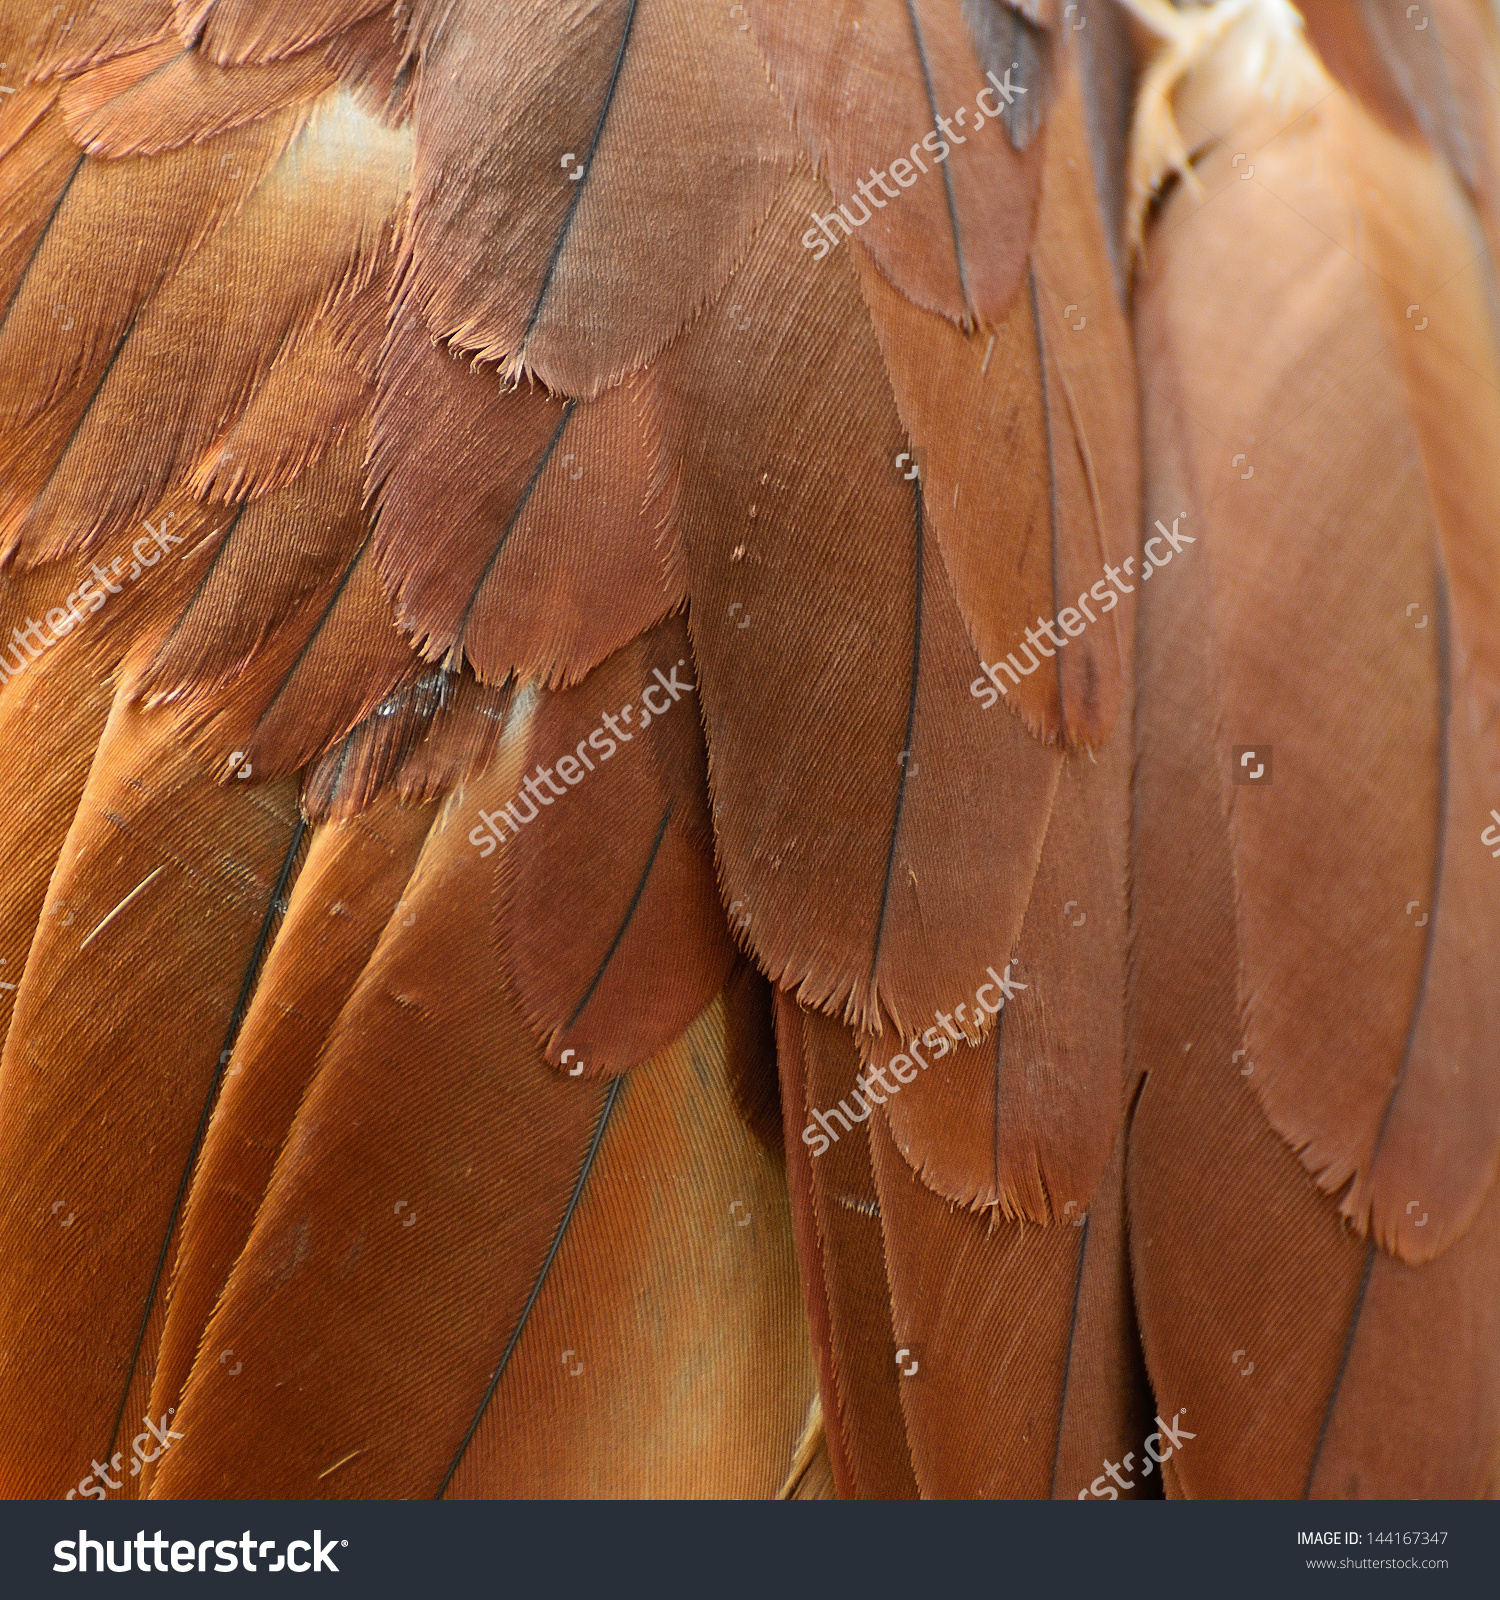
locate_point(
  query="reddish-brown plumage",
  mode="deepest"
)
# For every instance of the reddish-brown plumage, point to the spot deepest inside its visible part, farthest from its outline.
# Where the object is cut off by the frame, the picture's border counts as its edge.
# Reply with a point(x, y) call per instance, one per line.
point(865, 82)
point(518, 531)
point(836, 1217)
point(437, 393)
point(347, 892)
point(164, 878)
point(568, 258)
point(608, 916)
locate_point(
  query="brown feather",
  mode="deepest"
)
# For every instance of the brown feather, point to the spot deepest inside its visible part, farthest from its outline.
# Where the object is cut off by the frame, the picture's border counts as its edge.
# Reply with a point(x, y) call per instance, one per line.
point(676, 1290)
point(973, 406)
point(1023, 1338)
point(1406, 780)
point(278, 687)
point(348, 775)
point(290, 548)
point(1026, 1120)
point(510, 1183)
point(167, 880)
point(35, 166)
point(581, 281)
point(519, 532)
point(864, 84)
point(460, 743)
point(312, 396)
point(836, 1221)
point(58, 343)
point(234, 31)
point(55, 711)
point(857, 783)
point(609, 922)
point(429, 1092)
point(186, 365)
point(63, 42)
point(163, 97)
point(1288, 1000)
point(349, 888)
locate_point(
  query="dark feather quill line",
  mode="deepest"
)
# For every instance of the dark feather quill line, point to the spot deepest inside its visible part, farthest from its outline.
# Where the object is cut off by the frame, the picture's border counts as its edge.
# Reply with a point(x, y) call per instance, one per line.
point(1440, 593)
point(1445, 696)
point(905, 756)
point(1338, 1382)
point(322, 622)
point(1041, 348)
point(455, 657)
point(1062, 1399)
point(252, 968)
point(640, 889)
point(958, 244)
point(208, 573)
point(541, 1279)
point(40, 241)
point(588, 162)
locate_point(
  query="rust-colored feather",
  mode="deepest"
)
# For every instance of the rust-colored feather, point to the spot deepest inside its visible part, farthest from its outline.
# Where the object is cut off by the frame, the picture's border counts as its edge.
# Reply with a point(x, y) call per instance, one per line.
point(506, 1198)
point(518, 531)
point(866, 82)
point(165, 884)
point(87, 277)
point(1025, 1120)
point(349, 887)
point(234, 31)
point(60, 42)
point(836, 1218)
point(856, 778)
point(1311, 995)
point(609, 920)
point(165, 96)
point(188, 363)
point(539, 237)
point(1028, 1327)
